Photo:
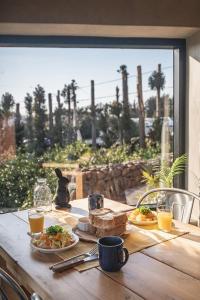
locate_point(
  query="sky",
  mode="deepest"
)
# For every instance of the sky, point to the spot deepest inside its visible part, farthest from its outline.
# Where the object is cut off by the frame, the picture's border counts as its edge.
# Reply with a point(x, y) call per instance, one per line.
point(21, 69)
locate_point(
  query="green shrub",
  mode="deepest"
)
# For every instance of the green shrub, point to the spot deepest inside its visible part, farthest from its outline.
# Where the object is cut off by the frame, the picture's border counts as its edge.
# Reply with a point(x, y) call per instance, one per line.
point(71, 152)
point(103, 156)
point(113, 155)
point(151, 151)
point(120, 154)
point(75, 150)
point(17, 179)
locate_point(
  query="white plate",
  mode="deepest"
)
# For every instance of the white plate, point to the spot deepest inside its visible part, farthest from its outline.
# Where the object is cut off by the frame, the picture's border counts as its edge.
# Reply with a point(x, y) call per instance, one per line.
point(43, 250)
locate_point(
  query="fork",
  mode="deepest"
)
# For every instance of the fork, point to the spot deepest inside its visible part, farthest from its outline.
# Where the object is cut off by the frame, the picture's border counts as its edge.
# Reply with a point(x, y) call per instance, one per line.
point(92, 251)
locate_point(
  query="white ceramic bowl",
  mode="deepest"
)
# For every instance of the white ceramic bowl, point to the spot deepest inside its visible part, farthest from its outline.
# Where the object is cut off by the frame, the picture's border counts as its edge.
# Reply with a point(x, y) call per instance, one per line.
point(84, 225)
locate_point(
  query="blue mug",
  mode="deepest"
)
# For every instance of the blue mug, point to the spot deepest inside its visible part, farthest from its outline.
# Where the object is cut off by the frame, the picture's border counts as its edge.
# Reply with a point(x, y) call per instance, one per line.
point(112, 255)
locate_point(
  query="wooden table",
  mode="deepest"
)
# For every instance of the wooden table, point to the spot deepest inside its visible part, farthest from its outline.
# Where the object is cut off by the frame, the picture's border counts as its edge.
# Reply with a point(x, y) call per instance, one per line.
point(169, 270)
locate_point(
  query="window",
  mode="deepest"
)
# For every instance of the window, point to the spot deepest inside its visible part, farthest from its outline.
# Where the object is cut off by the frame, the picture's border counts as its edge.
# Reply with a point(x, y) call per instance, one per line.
point(88, 95)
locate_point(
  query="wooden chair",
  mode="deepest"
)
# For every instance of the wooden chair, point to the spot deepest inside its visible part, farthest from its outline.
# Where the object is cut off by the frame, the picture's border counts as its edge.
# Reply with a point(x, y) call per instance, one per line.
point(6, 279)
point(182, 200)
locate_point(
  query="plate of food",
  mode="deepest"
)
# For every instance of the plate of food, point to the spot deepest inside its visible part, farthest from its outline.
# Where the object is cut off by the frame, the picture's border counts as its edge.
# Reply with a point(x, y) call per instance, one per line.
point(54, 239)
point(143, 216)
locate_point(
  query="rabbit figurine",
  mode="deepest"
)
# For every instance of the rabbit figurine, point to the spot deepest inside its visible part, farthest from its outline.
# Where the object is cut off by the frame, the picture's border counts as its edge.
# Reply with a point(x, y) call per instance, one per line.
point(62, 196)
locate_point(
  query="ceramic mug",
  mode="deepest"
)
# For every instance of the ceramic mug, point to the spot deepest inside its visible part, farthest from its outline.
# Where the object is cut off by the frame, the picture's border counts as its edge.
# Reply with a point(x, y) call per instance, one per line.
point(112, 255)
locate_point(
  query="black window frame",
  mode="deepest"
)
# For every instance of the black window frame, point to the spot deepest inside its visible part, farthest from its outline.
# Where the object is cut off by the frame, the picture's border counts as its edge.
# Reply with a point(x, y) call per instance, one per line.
point(179, 59)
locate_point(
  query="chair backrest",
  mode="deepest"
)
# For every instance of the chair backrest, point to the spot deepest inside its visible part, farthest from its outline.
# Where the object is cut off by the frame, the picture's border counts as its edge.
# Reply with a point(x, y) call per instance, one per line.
point(182, 201)
point(8, 280)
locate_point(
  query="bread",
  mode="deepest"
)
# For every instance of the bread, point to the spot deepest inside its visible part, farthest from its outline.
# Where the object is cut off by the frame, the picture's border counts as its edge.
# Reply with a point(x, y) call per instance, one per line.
point(120, 218)
point(96, 213)
point(104, 221)
point(108, 220)
point(100, 232)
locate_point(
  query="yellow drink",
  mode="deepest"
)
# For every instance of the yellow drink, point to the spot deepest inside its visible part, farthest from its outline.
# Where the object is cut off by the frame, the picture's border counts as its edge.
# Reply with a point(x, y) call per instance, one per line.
point(36, 222)
point(164, 220)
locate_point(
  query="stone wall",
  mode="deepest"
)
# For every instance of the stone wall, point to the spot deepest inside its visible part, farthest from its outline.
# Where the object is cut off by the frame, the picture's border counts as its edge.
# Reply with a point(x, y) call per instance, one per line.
point(111, 181)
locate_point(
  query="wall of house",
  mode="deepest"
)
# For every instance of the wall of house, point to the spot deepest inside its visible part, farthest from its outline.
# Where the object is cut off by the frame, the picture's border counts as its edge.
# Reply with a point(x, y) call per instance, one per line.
point(193, 115)
point(104, 12)
point(193, 111)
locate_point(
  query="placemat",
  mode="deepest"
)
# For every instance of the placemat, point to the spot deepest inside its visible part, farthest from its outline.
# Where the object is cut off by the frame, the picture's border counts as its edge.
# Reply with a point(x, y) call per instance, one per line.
point(135, 239)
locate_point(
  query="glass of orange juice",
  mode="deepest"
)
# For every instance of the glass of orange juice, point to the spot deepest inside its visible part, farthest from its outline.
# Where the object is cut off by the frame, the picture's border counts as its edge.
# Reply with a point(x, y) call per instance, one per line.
point(164, 216)
point(36, 221)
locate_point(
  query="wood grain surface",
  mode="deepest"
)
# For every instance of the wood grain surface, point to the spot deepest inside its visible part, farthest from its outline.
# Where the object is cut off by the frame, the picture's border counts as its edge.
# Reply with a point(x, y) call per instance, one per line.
point(154, 280)
point(32, 269)
point(182, 254)
point(167, 270)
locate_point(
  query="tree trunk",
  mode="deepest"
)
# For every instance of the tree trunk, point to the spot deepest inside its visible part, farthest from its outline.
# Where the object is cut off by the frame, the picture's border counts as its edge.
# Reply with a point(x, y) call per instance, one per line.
point(59, 120)
point(50, 117)
point(141, 108)
point(158, 104)
point(125, 88)
point(74, 101)
point(69, 105)
point(158, 96)
point(125, 125)
point(118, 118)
point(93, 116)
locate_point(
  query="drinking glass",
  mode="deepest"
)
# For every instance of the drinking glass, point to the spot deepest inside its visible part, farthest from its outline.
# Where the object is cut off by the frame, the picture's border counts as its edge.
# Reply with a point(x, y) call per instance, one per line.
point(164, 215)
point(36, 221)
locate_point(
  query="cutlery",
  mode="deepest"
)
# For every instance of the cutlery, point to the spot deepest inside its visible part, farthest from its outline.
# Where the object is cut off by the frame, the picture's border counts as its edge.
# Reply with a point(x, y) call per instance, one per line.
point(73, 263)
point(93, 251)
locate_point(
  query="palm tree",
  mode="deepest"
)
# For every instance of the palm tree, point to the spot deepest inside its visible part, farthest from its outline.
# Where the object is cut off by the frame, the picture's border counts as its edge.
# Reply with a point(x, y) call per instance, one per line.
point(124, 73)
point(157, 82)
point(125, 119)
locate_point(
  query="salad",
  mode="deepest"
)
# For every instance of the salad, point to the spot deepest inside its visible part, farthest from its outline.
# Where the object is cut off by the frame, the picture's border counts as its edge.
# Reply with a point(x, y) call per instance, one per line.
point(141, 214)
point(55, 237)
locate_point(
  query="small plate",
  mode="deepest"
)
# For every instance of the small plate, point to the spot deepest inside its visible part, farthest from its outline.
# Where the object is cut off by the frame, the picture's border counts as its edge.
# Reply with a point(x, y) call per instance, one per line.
point(43, 250)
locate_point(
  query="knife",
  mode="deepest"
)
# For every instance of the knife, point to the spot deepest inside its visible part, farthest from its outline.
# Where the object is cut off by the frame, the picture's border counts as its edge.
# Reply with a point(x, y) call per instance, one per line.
point(73, 263)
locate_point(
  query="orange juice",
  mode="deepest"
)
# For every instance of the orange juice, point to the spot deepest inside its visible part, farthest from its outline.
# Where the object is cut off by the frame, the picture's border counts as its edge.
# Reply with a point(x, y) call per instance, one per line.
point(36, 222)
point(164, 220)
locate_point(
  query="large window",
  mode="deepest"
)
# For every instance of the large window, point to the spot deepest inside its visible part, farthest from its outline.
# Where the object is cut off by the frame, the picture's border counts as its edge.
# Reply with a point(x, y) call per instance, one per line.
point(111, 112)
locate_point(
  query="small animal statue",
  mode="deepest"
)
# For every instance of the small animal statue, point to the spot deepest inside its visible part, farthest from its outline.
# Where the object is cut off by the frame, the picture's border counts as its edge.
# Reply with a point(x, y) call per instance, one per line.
point(62, 196)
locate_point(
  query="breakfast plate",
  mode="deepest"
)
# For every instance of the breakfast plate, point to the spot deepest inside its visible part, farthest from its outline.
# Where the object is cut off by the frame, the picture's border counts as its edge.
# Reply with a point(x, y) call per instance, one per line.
point(54, 239)
point(56, 250)
point(142, 216)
